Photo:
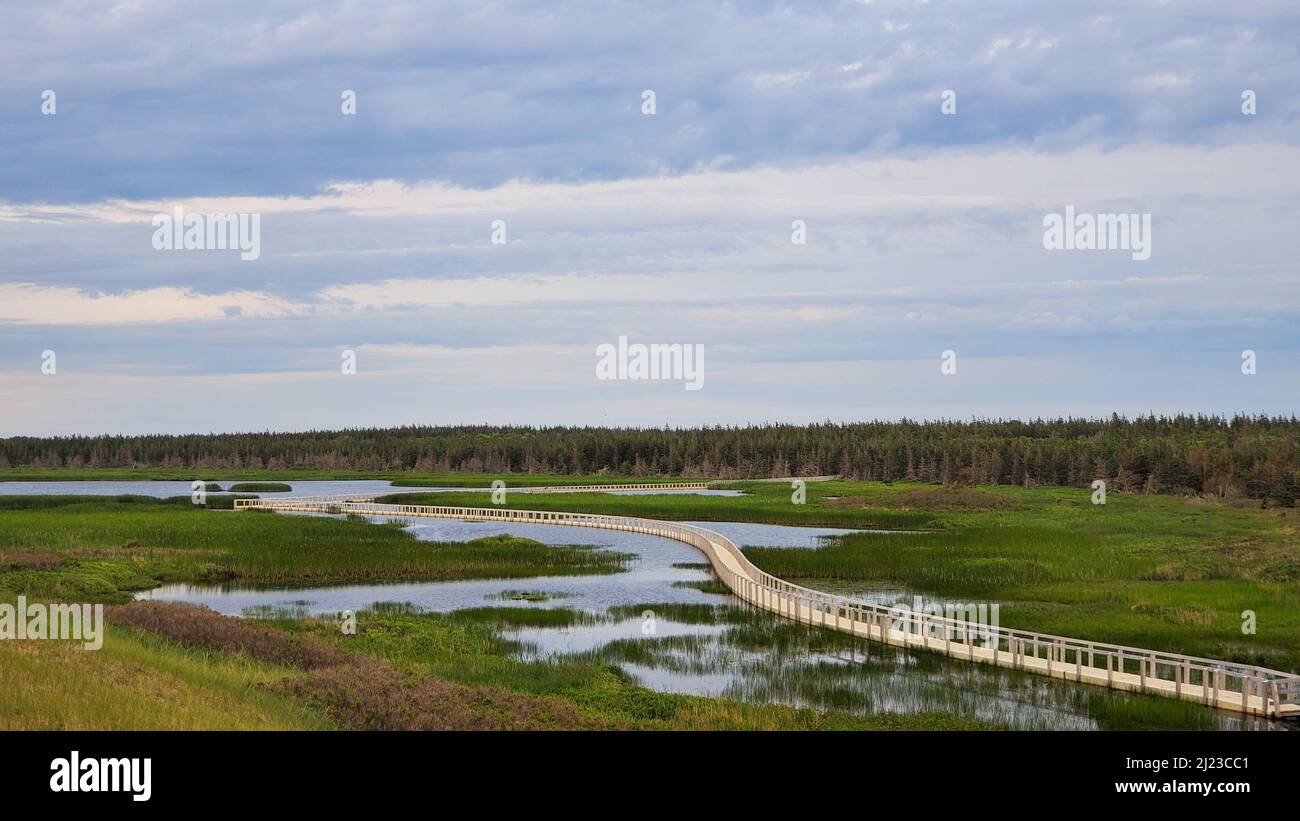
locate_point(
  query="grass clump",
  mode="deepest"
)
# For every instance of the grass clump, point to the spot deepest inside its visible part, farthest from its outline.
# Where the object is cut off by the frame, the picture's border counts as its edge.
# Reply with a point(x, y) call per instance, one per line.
point(260, 487)
point(705, 586)
point(535, 596)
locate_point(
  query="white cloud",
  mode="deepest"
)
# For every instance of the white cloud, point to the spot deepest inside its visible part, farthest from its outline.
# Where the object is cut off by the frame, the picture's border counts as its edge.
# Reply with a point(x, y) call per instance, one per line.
point(30, 303)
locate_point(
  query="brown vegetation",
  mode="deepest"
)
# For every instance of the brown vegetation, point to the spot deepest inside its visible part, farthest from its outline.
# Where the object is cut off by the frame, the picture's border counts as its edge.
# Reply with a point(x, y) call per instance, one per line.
point(372, 695)
point(951, 499)
point(29, 560)
point(200, 627)
point(358, 691)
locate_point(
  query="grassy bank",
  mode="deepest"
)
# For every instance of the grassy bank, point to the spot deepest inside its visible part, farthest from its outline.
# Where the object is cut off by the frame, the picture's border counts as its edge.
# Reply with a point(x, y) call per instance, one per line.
point(102, 548)
point(138, 680)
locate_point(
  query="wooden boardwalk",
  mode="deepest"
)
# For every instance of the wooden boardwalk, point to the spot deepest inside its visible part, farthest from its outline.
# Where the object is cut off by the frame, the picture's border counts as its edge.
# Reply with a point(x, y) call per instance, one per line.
point(1224, 685)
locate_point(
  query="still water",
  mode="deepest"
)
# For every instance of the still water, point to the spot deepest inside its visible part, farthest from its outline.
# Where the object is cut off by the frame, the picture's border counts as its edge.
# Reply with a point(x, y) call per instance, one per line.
point(163, 490)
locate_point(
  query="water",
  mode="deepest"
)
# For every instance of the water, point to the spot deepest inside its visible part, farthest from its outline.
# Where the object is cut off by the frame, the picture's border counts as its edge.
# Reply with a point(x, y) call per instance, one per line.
point(314, 487)
point(650, 577)
point(748, 655)
point(163, 490)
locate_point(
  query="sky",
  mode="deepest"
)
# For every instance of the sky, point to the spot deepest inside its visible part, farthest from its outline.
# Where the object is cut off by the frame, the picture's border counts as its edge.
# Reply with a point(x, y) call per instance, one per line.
point(840, 206)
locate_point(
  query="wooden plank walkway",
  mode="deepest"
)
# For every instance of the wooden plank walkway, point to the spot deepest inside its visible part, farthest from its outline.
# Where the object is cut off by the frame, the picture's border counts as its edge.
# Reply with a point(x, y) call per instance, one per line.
point(1224, 685)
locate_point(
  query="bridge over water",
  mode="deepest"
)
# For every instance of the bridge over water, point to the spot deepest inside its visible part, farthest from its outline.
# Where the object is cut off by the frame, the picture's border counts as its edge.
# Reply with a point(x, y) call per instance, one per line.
point(1224, 685)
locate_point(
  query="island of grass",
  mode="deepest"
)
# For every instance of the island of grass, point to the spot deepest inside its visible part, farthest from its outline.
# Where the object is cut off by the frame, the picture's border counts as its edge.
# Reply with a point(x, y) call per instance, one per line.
point(97, 548)
point(260, 487)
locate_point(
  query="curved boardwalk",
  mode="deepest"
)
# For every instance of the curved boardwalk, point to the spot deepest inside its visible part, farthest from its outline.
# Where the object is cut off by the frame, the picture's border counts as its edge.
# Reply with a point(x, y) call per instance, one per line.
point(1237, 687)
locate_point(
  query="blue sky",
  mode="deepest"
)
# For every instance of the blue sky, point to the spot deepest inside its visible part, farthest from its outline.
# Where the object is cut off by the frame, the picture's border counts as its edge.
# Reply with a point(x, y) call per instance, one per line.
point(924, 229)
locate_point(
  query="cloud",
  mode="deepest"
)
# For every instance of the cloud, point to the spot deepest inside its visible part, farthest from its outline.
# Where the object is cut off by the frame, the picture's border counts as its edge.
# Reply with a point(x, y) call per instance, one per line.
point(158, 102)
point(924, 231)
point(30, 303)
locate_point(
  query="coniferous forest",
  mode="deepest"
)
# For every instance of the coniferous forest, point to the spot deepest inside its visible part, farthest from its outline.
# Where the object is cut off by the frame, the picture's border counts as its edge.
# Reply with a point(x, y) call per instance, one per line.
point(1250, 456)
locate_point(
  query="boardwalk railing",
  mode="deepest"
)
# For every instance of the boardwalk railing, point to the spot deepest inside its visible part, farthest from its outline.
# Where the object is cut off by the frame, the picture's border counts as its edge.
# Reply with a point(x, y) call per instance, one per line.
point(1239, 687)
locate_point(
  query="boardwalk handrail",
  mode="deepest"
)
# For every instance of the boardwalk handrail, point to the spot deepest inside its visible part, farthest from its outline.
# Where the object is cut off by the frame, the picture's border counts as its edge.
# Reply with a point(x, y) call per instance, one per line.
point(1240, 687)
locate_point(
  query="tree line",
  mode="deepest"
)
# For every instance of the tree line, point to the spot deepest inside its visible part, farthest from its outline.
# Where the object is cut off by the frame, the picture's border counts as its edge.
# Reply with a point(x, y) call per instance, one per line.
point(1252, 456)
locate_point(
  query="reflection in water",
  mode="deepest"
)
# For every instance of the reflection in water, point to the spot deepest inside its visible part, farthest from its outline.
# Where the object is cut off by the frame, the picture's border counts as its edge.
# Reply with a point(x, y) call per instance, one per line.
point(163, 490)
point(710, 644)
point(313, 487)
point(740, 653)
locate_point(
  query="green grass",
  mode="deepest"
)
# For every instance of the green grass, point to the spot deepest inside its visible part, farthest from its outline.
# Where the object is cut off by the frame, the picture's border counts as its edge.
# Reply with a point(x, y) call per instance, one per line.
point(485, 480)
point(139, 681)
point(535, 596)
point(705, 586)
point(523, 616)
point(260, 487)
point(1157, 572)
point(108, 546)
point(766, 503)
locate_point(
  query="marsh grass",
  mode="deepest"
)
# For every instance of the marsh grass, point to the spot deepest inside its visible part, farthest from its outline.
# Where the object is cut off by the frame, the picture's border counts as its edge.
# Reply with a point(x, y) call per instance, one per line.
point(466, 647)
point(1163, 572)
point(1150, 571)
point(534, 596)
point(527, 616)
point(109, 546)
point(765, 660)
point(485, 480)
point(705, 586)
point(1159, 572)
